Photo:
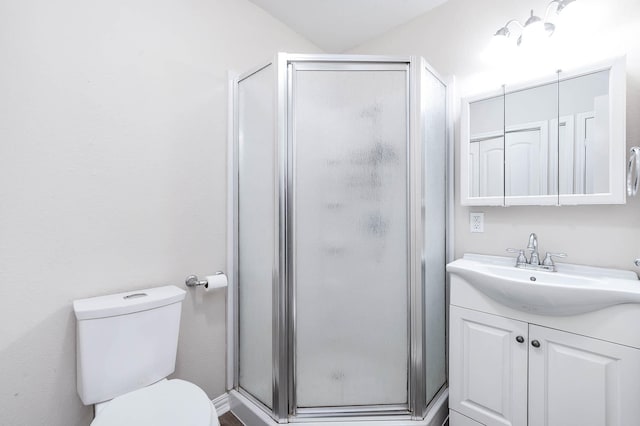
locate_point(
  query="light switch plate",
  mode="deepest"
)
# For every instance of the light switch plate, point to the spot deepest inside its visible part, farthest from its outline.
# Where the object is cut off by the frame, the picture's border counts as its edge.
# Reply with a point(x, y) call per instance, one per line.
point(476, 222)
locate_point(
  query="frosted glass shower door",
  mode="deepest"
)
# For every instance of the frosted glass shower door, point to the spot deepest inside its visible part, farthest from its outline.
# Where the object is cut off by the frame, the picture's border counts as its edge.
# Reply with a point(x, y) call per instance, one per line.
point(256, 233)
point(349, 147)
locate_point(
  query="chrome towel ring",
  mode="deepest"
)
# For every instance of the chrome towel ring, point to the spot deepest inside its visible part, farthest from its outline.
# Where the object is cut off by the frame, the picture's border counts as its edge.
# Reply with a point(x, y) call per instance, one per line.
point(633, 171)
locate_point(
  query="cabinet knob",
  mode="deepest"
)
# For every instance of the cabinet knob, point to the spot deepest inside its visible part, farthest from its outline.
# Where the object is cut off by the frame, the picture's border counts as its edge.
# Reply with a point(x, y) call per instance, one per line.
point(520, 339)
point(535, 343)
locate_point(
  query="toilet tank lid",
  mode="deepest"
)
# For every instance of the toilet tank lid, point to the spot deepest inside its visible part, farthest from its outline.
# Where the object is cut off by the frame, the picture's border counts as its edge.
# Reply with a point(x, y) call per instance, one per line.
point(126, 303)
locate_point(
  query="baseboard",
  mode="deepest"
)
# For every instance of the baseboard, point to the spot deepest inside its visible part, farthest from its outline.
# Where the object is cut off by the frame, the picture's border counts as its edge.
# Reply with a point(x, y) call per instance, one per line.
point(247, 412)
point(221, 403)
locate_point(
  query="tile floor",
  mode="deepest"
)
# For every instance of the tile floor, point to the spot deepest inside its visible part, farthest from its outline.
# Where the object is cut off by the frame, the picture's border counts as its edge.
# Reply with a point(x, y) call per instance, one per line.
point(228, 419)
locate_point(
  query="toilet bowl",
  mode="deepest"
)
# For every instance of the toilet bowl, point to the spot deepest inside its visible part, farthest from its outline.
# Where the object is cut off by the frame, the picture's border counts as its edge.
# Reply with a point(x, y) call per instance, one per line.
point(126, 347)
point(166, 403)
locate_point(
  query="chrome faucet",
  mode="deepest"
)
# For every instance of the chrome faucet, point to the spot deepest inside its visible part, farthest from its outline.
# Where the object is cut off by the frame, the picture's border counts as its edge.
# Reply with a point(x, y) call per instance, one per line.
point(533, 248)
point(534, 261)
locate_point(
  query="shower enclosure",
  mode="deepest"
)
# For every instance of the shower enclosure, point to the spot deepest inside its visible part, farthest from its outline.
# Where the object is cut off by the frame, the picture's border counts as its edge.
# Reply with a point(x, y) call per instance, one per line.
point(339, 167)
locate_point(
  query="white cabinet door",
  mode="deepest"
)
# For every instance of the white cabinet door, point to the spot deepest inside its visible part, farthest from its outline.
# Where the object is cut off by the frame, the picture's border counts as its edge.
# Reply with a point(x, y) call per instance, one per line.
point(580, 381)
point(488, 368)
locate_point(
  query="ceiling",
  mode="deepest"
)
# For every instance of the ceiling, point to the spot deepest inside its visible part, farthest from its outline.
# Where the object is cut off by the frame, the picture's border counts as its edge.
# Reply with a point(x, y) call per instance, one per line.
point(339, 25)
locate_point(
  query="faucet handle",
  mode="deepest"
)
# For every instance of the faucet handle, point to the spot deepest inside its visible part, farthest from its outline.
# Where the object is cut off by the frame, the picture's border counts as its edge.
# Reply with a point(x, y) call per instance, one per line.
point(522, 259)
point(548, 259)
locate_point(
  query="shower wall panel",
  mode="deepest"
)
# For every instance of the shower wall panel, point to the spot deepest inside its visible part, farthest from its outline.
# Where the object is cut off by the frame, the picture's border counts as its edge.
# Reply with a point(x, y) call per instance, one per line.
point(434, 96)
point(256, 231)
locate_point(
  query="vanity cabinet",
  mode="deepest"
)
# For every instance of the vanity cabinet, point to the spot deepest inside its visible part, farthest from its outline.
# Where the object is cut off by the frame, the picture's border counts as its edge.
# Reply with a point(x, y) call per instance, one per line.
point(509, 372)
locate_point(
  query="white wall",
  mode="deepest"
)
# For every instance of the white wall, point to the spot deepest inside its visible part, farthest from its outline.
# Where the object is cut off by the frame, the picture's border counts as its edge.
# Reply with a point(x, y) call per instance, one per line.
point(453, 38)
point(113, 176)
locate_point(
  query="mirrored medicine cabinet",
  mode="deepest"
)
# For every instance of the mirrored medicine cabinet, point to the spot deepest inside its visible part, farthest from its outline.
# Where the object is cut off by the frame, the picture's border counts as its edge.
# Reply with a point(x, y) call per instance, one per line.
point(559, 140)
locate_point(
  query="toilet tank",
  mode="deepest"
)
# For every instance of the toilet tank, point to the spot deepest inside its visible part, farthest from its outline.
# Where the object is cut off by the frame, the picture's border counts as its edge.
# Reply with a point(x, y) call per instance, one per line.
point(126, 341)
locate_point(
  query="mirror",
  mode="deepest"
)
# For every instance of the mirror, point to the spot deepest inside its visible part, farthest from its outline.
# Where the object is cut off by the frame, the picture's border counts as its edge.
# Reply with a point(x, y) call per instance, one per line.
point(486, 149)
point(584, 153)
point(557, 141)
point(530, 170)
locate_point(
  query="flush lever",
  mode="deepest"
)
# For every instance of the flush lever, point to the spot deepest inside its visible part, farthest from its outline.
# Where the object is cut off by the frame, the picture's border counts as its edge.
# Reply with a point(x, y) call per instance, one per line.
point(134, 296)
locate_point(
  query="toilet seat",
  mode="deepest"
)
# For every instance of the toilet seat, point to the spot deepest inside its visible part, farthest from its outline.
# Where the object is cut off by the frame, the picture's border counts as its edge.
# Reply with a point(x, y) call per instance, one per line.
point(166, 403)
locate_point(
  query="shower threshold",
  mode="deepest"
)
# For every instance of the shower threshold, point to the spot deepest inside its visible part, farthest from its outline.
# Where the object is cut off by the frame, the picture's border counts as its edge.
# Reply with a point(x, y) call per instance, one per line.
point(252, 415)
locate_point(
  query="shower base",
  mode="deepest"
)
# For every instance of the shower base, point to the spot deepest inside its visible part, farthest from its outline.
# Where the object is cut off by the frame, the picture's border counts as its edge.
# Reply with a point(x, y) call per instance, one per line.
point(252, 415)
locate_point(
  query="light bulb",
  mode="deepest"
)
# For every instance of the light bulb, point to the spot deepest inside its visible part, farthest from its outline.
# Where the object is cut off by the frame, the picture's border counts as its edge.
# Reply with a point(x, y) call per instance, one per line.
point(535, 32)
point(566, 5)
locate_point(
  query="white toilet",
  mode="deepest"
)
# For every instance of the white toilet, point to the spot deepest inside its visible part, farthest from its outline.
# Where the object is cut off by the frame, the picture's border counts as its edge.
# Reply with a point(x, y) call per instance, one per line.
point(126, 347)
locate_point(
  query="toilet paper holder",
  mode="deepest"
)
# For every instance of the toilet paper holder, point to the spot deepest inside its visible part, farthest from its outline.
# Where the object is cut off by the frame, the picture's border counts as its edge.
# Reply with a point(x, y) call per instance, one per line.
point(193, 281)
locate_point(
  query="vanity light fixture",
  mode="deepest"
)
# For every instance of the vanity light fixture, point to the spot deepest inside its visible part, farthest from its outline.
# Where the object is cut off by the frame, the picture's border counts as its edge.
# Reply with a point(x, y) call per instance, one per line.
point(535, 28)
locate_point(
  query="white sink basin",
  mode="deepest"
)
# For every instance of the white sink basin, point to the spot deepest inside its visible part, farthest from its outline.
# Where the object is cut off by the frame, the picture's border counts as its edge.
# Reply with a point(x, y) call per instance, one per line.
point(574, 289)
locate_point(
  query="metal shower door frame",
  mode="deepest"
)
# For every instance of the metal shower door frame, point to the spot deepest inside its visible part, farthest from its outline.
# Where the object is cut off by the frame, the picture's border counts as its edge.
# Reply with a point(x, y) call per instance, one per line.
point(295, 64)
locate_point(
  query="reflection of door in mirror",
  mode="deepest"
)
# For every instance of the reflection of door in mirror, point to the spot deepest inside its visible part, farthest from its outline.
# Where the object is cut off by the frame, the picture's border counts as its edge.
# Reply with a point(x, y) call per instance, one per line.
point(584, 100)
point(486, 153)
point(486, 147)
point(529, 115)
point(563, 155)
point(526, 147)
